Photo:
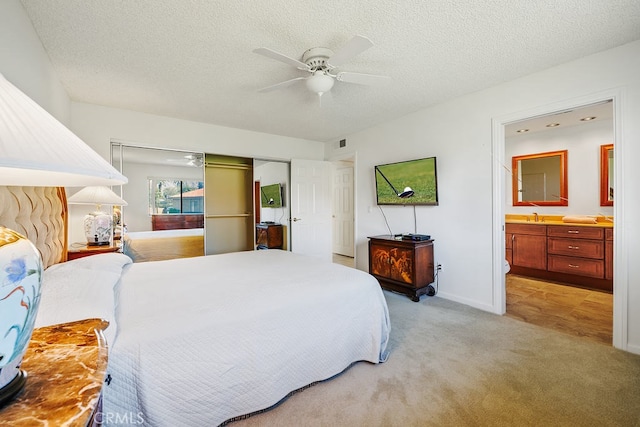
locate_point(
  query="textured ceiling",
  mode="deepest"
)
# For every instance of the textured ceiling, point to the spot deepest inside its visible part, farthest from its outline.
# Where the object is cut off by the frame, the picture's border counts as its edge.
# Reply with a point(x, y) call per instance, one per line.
point(193, 59)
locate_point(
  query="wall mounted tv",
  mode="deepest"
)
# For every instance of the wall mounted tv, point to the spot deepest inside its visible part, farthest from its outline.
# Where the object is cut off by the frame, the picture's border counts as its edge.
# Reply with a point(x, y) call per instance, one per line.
point(413, 182)
point(271, 196)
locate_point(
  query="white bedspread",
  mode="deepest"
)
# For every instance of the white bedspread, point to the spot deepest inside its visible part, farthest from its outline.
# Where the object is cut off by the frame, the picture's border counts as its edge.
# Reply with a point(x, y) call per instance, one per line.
point(202, 340)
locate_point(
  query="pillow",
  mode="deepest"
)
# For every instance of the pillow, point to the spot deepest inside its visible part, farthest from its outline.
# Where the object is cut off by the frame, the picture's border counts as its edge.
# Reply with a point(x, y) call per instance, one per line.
point(81, 289)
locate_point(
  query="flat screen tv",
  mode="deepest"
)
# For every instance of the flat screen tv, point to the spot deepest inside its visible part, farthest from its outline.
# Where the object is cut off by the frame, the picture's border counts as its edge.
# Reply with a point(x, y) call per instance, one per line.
point(412, 182)
point(271, 196)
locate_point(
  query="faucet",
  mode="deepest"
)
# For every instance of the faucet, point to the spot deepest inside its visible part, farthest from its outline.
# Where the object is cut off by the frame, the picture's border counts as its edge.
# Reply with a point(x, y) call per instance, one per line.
point(535, 217)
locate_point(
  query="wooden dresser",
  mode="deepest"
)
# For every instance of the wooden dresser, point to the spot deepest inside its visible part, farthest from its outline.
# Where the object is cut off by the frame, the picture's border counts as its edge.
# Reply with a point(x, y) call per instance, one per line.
point(404, 266)
point(269, 236)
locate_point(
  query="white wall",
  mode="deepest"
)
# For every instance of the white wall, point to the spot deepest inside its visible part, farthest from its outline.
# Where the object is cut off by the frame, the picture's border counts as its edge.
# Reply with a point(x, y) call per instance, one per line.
point(582, 143)
point(459, 134)
point(25, 64)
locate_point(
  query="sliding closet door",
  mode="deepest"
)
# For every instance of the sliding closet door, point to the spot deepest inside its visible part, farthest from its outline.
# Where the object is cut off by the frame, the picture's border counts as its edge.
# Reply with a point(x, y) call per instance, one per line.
point(229, 223)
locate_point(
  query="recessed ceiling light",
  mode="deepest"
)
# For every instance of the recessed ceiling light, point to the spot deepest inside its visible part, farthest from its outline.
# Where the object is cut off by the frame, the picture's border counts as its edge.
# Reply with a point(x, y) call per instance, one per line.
point(586, 119)
point(552, 125)
point(522, 130)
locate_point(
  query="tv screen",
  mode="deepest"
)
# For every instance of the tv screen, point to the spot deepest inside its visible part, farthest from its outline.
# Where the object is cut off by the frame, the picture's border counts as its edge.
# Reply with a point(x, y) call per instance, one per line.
point(271, 196)
point(413, 182)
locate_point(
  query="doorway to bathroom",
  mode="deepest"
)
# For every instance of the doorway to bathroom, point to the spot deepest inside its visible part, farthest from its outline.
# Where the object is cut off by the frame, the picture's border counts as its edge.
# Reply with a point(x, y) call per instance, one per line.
point(542, 299)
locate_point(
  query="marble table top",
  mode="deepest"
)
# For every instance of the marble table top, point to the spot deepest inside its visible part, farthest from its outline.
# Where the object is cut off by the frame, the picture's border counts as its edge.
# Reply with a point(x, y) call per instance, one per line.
point(65, 367)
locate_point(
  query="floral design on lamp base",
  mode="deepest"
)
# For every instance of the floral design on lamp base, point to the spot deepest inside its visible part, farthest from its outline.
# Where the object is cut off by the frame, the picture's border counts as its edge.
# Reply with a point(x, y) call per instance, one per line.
point(98, 227)
point(20, 280)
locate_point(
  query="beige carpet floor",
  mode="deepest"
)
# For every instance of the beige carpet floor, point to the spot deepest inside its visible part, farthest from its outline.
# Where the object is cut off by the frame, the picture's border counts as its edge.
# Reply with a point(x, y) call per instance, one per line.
point(452, 365)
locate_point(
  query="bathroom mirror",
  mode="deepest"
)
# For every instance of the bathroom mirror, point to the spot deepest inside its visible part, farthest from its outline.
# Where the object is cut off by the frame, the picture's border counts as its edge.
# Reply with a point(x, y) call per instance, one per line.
point(540, 179)
point(606, 175)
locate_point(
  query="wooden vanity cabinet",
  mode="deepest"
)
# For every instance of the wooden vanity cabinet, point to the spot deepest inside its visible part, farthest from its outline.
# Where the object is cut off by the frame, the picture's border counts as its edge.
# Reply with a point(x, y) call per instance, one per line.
point(608, 254)
point(404, 266)
point(576, 250)
point(528, 245)
point(576, 255)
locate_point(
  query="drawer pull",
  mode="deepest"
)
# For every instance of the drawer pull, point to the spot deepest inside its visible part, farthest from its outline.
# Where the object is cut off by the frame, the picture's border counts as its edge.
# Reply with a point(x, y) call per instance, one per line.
point(573, 247)
point(574, 266)
point(573, 231)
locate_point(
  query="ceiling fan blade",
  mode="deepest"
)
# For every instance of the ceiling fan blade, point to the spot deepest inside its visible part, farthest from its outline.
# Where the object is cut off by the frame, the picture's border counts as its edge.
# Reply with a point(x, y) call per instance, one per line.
point(355, 46)
point(281, 84)
point(360, 78)
point(280, 57)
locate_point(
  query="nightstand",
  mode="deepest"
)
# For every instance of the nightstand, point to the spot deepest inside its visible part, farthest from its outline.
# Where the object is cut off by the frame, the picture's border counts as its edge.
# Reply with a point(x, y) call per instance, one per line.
point(79, 250)
point(66, 366)
point(269, 236)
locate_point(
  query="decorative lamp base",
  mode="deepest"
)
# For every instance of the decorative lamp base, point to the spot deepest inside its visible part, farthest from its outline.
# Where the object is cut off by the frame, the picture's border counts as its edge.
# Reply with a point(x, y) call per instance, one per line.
point(98, 243)
point(98, 228)
point(20, 280)
point(14, 387)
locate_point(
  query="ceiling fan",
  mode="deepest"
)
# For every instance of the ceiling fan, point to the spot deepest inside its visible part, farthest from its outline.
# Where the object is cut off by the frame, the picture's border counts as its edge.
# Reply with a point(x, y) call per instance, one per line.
point(321, 64)
point(194, 159)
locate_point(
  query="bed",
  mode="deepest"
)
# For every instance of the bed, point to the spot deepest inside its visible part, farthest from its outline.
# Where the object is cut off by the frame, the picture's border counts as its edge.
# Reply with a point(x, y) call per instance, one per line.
point(159, 245)
point(205, 340)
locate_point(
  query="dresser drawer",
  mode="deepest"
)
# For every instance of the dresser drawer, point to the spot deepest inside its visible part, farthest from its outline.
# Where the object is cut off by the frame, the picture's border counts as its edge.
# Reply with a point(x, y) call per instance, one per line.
point(576, 247)
point(536, 230)
point(573, 265)
point(575, 232)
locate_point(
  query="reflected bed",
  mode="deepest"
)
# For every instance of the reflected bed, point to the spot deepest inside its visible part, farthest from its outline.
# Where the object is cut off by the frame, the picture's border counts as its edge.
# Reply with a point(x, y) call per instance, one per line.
point(142, 246)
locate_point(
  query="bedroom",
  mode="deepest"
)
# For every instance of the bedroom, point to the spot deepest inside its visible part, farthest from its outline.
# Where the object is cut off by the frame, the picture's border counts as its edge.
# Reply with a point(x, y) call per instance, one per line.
point(458, 131)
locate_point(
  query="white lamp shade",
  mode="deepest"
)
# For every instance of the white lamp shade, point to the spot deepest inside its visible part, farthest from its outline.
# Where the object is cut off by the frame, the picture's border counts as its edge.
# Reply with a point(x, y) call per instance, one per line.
point(96, 195)
point(38, 150)
point(319, 82)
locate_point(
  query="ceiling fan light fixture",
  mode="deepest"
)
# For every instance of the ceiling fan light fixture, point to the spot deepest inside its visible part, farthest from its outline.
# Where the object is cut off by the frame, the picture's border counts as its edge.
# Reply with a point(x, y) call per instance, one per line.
point(320, 83)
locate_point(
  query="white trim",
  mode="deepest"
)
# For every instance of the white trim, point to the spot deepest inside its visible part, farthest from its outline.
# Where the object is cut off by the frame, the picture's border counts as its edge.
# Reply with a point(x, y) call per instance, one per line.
point(621, 279)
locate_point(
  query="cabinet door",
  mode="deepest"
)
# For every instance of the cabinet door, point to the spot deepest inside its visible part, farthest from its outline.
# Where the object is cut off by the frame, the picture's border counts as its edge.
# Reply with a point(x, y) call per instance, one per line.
point(380, 260)
point(530, 251)
point(401, 262)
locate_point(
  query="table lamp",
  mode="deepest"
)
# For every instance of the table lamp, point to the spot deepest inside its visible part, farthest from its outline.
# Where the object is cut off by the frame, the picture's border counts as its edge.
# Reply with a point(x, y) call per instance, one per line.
point(36, 150)
point(98, 225)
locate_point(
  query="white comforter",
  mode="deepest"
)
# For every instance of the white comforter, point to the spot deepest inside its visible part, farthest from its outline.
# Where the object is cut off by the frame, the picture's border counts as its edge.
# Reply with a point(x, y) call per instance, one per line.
point(202, 340)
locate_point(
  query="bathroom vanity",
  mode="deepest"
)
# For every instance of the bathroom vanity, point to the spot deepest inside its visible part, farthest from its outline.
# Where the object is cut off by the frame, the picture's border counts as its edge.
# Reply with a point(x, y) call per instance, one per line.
point(550, 249)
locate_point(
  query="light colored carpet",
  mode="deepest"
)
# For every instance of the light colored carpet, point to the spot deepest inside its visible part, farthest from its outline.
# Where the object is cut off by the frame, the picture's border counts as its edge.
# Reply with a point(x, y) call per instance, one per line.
point(452, 365)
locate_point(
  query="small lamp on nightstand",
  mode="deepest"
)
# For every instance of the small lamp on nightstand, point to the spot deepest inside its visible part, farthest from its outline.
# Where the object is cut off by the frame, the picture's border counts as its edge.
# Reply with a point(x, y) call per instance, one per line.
point(98, 225)
point(36, 150)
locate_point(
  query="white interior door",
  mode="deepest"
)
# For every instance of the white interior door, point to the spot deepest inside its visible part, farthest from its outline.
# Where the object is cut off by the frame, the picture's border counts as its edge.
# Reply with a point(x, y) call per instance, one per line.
point(343, 212)
point(311, 208)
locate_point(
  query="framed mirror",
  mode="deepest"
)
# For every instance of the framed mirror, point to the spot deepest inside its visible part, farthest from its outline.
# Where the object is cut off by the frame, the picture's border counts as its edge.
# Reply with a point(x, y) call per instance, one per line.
point(606, 175)
point(540, 179)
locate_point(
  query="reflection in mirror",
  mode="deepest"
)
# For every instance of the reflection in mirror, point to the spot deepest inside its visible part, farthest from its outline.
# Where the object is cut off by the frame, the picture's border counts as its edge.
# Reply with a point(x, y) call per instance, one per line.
point(540, 179)
point(606, 175)
point(161, 182)
point(269, 175)
point(164, 218)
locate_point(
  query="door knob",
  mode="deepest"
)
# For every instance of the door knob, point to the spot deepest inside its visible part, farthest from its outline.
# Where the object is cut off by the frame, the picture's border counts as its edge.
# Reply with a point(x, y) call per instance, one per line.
point(297, 219)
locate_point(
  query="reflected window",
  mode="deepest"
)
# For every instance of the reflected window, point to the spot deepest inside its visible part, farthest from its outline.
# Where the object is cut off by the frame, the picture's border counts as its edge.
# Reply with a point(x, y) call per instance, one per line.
point(175, 196)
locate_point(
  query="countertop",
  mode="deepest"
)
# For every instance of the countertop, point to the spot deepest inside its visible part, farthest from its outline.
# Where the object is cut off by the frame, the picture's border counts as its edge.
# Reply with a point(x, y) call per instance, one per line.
point(602, 221)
